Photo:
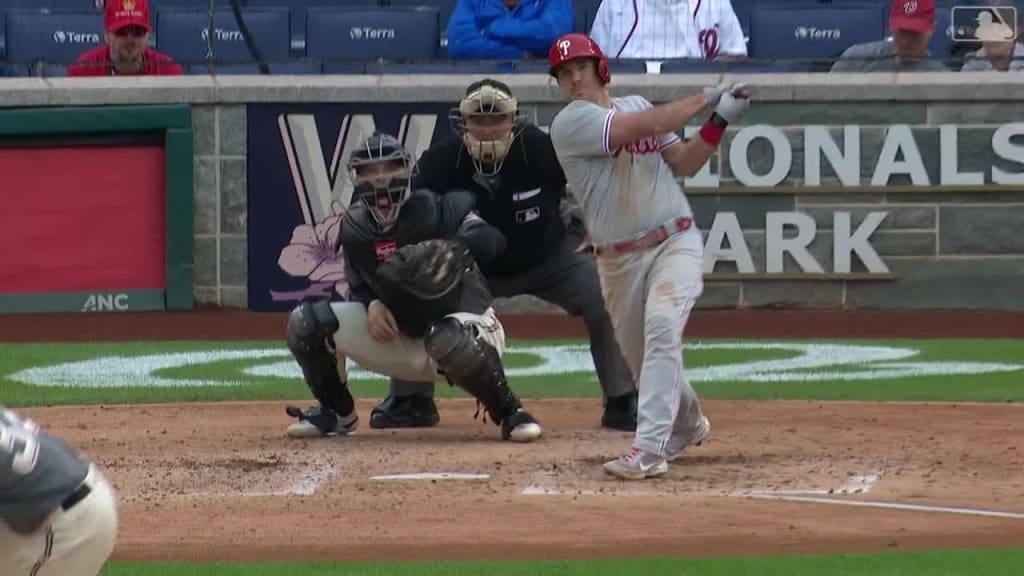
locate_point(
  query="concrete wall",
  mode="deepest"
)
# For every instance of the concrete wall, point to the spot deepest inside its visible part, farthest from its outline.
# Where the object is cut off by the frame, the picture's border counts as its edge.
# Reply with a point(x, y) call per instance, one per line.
point(950, 246)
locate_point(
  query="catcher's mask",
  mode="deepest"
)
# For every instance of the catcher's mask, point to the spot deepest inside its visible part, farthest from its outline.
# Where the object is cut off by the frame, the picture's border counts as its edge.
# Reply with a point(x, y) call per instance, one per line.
point(488, 120)
point(381, 170)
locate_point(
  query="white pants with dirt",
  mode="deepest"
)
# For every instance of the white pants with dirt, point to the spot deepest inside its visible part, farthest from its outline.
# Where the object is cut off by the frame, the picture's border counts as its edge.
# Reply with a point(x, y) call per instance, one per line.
point(649, 295)
point(401, 357)
point(73, 543)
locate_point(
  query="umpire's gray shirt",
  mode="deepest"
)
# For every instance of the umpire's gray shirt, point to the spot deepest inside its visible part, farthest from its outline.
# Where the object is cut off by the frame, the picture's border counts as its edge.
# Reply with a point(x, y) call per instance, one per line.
point(37, 472)
point(879, 57)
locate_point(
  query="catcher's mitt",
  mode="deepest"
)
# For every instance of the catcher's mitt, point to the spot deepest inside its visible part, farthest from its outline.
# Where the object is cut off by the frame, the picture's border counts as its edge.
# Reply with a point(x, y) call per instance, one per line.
point(428, 270)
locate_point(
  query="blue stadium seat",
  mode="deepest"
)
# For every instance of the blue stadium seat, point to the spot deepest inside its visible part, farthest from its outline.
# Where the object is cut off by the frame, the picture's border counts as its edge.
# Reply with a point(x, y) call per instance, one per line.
point(369, 33)
point(581, 19)
point(744, 66)
point(346, 67)
point(275, 69)
point(298, 11)
point(615, 66)
point(56, 38)
point(3, 35)
point(444, 10)
point(440, 67)
point(183, 35)
point(813, 33)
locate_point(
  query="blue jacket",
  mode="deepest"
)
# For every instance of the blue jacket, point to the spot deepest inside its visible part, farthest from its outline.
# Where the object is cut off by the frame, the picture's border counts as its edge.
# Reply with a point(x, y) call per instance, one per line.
point(485, 29)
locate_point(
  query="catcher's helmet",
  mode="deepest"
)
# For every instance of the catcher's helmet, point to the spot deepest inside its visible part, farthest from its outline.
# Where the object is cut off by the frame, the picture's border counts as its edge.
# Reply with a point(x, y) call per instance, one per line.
point(381, 170)
point(488, 120)
point(574, 46)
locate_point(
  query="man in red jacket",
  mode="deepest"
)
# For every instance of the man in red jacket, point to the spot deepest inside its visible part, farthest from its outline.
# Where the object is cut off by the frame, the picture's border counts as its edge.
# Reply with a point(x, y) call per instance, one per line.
point(126, 52)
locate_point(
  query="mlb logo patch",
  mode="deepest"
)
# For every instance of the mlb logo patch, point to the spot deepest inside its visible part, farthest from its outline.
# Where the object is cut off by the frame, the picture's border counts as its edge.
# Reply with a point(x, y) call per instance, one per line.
point(528, 215)
point(984, 24)
point(384, 249)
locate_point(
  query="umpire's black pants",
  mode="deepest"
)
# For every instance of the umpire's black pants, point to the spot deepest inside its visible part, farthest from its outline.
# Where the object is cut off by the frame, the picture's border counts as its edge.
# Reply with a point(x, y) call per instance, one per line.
point(569, 280)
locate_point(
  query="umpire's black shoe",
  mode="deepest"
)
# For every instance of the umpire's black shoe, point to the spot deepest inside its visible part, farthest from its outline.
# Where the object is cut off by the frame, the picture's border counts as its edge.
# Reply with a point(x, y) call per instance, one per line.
point(620, 412)
point(415, 411)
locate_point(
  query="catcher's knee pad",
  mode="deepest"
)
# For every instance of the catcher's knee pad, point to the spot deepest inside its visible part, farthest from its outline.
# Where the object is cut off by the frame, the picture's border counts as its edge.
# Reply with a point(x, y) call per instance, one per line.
point(471, 364)
point(311, 326)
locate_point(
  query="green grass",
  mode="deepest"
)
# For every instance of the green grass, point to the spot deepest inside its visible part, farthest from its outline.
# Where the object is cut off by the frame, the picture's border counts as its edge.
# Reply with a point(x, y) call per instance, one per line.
point(237, 385)
point(944, 563)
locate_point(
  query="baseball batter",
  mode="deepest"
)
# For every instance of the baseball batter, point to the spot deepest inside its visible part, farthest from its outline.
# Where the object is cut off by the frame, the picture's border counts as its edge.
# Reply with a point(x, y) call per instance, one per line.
point(621, 157)
point(58, 515)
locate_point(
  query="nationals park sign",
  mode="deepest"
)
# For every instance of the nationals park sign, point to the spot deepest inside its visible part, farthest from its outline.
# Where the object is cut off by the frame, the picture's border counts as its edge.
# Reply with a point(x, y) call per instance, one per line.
point(298, 189)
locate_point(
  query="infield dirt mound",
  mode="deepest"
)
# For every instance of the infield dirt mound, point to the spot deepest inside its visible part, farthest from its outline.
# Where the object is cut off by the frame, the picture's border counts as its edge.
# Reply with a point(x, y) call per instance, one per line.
point(220, 481)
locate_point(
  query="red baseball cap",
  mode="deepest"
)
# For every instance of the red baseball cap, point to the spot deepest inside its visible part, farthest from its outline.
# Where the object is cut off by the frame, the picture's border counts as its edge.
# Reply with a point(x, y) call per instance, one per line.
point(913, 15)
point(121, 13)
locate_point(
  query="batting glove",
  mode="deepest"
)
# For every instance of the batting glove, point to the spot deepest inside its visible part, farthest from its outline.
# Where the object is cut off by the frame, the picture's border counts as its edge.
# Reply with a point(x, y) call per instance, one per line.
point(733, 104)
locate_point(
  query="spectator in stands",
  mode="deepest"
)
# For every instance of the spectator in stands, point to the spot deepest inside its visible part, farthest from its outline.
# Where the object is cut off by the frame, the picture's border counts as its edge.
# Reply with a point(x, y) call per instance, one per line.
point(503, 29)
point(996, 54)
point(669, 29)
point(911, 25)
point(126, 51)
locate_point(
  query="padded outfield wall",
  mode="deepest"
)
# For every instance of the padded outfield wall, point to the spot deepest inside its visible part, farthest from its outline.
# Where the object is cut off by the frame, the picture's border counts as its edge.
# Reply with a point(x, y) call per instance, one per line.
point(839, 191)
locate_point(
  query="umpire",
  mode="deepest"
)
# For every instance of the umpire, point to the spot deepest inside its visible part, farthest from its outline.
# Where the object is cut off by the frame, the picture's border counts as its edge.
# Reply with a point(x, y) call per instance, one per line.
point(511, 167)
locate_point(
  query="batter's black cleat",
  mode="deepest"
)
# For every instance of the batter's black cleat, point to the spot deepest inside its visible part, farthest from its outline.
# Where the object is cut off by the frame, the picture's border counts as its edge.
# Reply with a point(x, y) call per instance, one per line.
point(620, 412)
point(520, 426)
point(415, 411)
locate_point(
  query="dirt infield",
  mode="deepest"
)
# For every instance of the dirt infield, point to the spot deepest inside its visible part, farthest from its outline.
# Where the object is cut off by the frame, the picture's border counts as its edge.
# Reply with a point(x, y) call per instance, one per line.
point(221, 482)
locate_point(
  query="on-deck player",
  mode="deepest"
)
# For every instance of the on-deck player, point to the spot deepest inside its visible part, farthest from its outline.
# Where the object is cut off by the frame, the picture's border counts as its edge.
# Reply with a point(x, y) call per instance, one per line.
point(58, 514)
point(621, 157)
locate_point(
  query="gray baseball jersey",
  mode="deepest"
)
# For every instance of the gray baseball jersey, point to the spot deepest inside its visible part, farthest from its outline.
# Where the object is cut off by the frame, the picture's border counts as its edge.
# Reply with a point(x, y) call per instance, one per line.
point(37, 472)
point(880, 57)
point(622, 193)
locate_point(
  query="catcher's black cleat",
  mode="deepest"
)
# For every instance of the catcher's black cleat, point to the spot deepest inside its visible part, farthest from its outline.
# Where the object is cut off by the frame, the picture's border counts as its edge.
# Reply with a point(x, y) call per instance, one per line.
point(319, 421)
point(413, 411)
point(520, 426)
point(620, 412)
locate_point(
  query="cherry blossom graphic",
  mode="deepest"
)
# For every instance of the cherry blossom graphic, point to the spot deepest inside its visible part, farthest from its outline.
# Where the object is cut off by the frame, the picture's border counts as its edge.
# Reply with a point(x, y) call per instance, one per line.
point(311, 254)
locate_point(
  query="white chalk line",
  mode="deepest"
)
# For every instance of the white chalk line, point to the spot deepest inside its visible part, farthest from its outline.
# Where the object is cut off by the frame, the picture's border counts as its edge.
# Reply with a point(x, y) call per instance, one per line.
point(855, 484)
point(419, 476)
point(306, 484)
point(890, 505)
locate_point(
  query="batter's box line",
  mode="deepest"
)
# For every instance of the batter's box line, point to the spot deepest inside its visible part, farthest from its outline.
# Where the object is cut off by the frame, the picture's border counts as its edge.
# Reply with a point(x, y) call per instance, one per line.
point(307, 483)
point(855, 484)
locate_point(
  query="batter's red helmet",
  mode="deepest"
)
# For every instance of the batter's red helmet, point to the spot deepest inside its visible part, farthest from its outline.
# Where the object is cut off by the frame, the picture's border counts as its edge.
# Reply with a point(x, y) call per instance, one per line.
point(575, 45)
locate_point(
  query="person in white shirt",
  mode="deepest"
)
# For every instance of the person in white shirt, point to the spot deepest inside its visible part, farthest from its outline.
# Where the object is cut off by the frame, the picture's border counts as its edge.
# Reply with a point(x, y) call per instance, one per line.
point(667, 29)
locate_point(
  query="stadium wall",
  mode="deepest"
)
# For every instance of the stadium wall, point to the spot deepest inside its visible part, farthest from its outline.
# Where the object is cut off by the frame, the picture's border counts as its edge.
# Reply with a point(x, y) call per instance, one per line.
point(924, 170)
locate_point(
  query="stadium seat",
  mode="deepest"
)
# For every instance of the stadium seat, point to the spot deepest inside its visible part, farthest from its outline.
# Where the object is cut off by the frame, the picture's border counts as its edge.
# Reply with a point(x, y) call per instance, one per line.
point(275, 69)
point(444, 11)
point(615, 66)
point(56, 38)
point(812, 33)
point(369, 33)
point(451, 67)
point(581, 19)
point(744, 66)
point(298, 11)
point(183, 35)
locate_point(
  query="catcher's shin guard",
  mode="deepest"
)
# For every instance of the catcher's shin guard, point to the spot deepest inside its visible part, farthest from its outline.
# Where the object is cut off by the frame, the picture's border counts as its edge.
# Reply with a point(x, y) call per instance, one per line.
point(311, 326)
point(473, 365)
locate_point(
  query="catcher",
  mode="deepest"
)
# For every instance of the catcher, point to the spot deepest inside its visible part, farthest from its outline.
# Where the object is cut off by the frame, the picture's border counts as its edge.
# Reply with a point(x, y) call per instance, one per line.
point(419, 308)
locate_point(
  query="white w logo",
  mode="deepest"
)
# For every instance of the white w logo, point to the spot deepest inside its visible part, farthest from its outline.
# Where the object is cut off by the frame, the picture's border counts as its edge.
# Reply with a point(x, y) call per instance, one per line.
point(316, 184)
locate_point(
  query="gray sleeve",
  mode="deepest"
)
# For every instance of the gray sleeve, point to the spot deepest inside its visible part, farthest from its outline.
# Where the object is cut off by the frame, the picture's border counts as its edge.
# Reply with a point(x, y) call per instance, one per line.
point(664, 140)
point(855, 58)
point(976, 62)
point(581, 129)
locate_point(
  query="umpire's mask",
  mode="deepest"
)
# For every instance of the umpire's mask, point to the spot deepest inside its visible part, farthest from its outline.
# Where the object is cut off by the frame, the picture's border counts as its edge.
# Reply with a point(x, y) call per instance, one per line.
point(381, 171)
point(488, 120)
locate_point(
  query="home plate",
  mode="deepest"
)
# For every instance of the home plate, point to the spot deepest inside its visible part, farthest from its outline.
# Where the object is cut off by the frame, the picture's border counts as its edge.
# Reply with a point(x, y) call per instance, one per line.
point(430, 476)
